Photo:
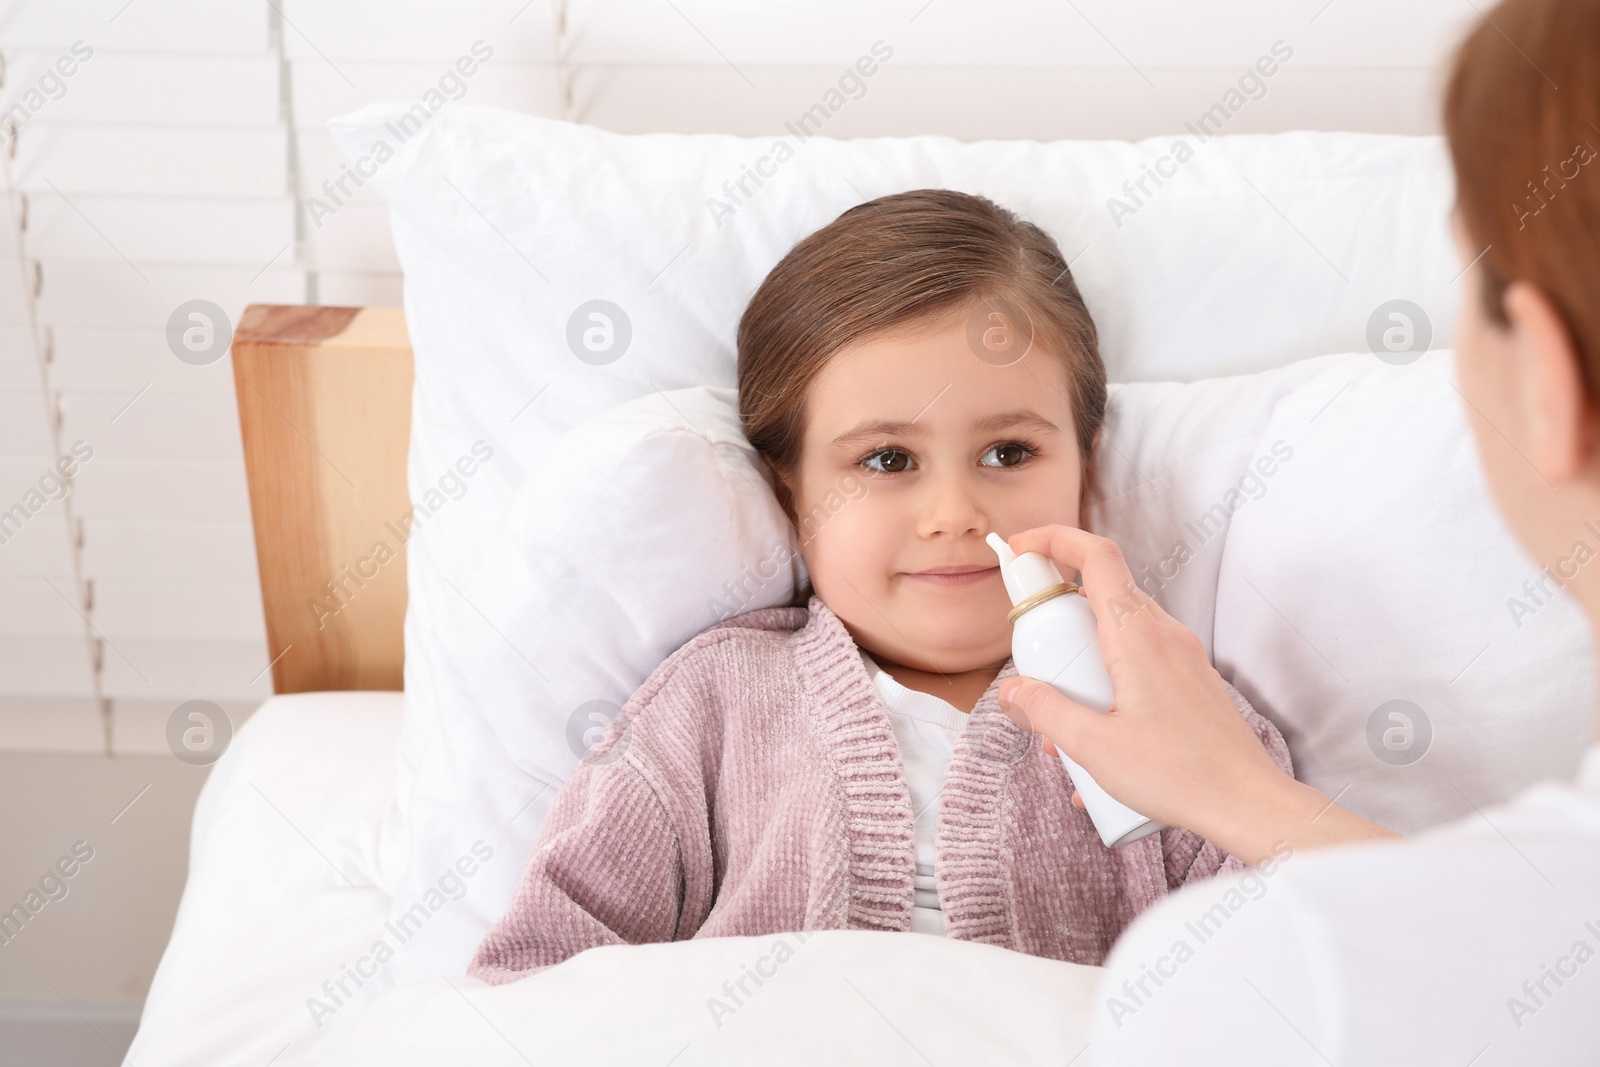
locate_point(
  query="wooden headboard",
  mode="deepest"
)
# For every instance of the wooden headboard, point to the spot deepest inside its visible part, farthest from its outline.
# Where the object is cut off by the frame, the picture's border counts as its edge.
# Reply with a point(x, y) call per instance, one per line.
point(325, 409)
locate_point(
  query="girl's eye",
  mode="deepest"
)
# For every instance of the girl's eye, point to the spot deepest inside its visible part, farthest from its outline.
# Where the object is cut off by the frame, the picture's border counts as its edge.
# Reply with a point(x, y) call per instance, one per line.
point(1008, 454)
point(887, 461)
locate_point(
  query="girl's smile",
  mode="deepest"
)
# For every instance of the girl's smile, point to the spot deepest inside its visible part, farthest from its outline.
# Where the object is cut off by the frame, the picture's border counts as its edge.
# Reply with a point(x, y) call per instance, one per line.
point(968, 575)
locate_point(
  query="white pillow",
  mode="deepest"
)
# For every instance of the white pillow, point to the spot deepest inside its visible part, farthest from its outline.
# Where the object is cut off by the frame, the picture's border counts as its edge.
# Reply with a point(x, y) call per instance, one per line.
point(1277, 494)
point(639, 529)
point(1259, 250)
point(1175, 461)
point(1366, 604)
point(645, 525)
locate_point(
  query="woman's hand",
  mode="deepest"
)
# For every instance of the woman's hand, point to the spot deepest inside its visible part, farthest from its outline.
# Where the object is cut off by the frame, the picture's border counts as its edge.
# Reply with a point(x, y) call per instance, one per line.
point(1173, 746)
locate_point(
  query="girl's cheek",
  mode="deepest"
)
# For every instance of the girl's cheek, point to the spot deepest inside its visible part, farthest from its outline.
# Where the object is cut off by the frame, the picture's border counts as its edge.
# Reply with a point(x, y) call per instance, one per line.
point(853, 539)
point(854, 485)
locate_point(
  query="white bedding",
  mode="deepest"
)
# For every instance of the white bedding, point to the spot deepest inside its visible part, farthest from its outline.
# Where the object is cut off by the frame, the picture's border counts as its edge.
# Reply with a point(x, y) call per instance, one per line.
point(267, 918)
point(839, 996)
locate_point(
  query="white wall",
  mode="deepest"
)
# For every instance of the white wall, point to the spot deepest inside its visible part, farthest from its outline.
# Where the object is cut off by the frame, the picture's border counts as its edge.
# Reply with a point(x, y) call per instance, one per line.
point(175, 164)
point(155, 173)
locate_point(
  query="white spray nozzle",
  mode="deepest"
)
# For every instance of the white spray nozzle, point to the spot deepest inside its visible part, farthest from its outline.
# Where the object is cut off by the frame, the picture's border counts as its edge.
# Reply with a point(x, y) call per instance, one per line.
point(1024, 573)
point(1000, 547)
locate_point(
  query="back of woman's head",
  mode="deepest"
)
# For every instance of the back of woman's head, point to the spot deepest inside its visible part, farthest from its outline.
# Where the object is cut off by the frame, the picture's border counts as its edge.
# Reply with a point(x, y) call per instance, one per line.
point(893, 263)
point(1522, 114)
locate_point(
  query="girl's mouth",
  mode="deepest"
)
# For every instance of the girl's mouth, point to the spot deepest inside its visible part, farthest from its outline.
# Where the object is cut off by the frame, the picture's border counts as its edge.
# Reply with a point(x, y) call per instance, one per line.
point(954, 575)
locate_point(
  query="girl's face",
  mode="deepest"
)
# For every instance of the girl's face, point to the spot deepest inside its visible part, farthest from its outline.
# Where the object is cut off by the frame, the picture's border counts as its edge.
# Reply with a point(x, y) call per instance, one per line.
point(914, 449)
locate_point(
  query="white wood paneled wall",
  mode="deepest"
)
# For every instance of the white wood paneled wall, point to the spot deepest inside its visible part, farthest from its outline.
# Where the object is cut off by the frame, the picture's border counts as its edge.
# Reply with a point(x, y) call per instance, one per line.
point(174, 162)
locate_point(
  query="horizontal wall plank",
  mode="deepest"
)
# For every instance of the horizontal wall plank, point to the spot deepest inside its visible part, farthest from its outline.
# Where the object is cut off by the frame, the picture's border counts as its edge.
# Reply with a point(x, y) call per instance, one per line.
point(19, 362)
point(178, 611)
point(40, 606)
point(30, 722)
point(970, 104)
point(149, 491)
point(91, 359)
point(154, 230)
point(89, 293)
point(975, 104)
point(21, 473)
point(202, 161)
point(45, 666)
point(356, 238)
point(40, 546)
point(147, 25)
point(321, 162)
point(14, 284)
point(345, 289)
point(148, 88)
point(24, 424)
point(203, 553)
point(36, 567)
point(415, 29)
point(154, 425)
point(1004, 33)
point(1017, 33)
point(319, 93)
point(187, 670)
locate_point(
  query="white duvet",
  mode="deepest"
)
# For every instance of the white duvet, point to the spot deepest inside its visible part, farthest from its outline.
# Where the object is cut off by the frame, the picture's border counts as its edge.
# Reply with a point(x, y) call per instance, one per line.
point(267, 925)
point(833, 996)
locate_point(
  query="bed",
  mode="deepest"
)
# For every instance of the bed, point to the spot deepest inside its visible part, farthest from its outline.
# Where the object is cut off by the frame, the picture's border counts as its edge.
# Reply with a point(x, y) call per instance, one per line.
point(265, 918)
point(1246, 313)
point(271, 924)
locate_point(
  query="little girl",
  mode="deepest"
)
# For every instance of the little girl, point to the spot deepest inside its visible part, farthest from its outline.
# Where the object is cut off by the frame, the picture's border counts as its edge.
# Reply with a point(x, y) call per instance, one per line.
point(843, 762)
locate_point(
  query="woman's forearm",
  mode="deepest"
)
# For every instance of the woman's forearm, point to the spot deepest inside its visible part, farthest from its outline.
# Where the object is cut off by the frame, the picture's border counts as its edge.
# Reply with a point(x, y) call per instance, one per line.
point(1268, 812)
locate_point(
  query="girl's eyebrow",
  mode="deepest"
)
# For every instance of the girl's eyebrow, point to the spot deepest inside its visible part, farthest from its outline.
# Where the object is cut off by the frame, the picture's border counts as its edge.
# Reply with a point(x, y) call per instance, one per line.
point(879, 428)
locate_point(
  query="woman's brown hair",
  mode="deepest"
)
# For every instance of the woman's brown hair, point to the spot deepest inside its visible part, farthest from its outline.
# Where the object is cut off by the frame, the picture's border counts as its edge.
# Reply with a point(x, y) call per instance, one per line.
point(893, 263)
point(1522, 115)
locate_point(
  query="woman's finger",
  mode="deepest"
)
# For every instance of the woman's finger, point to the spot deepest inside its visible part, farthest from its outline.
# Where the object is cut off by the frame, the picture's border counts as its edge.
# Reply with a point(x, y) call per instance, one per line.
point(1041, 708)
point(1103, 571)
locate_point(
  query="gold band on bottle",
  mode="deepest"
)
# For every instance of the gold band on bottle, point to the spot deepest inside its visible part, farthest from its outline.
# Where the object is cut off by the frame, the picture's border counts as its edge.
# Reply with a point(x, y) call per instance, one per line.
point(1041, 596)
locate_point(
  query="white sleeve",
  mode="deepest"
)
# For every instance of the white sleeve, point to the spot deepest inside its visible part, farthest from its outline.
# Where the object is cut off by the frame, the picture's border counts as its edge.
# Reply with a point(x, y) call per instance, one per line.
point(1222, 972)
point(1480, 946)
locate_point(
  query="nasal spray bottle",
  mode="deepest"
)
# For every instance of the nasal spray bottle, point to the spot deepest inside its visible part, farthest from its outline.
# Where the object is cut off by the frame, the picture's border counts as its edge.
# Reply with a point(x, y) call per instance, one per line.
point(1055, 641)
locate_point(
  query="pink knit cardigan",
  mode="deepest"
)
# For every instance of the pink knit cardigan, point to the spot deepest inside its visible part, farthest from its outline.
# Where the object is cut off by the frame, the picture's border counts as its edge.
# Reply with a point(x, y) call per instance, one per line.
point(752, 786)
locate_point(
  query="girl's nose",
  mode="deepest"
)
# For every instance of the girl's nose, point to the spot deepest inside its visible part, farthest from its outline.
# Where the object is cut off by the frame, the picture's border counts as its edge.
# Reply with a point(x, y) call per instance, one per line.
point(951, 507)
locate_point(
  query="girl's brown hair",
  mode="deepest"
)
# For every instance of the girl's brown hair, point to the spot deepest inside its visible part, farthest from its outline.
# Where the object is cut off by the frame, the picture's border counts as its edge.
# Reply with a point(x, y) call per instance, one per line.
point(892, 263)
point(1522, 115)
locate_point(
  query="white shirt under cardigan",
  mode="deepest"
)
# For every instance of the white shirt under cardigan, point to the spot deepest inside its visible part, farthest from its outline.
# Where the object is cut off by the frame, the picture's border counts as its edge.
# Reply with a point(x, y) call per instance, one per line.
point(925, 727)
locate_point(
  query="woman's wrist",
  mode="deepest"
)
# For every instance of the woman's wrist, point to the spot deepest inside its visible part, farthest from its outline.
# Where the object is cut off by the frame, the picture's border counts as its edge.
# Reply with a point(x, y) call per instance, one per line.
point(1269, 810)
